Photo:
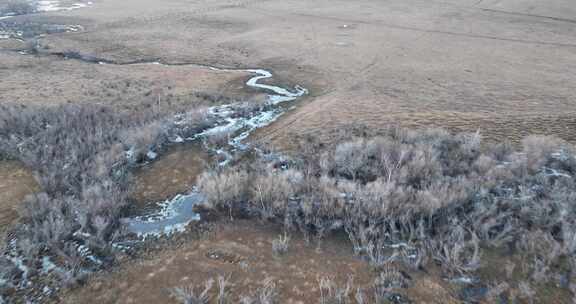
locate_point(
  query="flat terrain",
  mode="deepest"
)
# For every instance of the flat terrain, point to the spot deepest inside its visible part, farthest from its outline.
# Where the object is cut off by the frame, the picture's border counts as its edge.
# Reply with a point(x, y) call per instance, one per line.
point(501, 66)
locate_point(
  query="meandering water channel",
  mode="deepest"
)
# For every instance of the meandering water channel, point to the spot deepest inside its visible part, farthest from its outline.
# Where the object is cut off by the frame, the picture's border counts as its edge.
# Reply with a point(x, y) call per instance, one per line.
point(175, 214)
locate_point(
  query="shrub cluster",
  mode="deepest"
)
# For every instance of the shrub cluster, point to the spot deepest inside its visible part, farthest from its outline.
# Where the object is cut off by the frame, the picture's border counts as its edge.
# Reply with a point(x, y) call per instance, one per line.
point(205, 293)
point(27, 30)
point(420, 197)
point(280, 245)
point(81, 156)
point(18, 7)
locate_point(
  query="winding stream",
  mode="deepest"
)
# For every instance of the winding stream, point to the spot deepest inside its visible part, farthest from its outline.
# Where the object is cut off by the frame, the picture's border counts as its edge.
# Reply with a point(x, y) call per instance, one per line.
point(175, 214)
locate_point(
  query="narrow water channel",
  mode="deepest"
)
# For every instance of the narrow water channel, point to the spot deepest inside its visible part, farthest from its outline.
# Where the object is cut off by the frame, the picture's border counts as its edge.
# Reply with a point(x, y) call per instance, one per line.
point(175, 214)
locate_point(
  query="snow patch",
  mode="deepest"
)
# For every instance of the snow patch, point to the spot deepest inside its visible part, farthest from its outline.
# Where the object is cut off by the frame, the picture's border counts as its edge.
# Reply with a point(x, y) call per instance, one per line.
point(174, 215)
point(151, 155)
point(19, 263)
point(463, 280)
point(48, 265)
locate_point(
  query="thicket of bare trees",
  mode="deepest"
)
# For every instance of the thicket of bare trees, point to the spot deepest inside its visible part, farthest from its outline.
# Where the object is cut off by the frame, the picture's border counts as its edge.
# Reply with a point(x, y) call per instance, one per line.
point(81, 157)
point(421, 197)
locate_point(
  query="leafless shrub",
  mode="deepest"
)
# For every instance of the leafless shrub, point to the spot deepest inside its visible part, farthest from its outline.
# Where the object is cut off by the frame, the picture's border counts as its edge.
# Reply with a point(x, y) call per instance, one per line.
point(272, 191)
point(542, 252)
point(526, 291)
point(457, 253)
point(377, 254)
point(73, 276)
point(9, 274)
point(509, 268)
point(140, 140)
point(471, 142)
point(496, 292)
point(332, 293)
point(267, 294)
point(223, 292)
point(360, 297)
point(540, 270)
point(247, 109)
point(389, 280)
point(407, 195)
point(245, 266)
point(415, 256)
point(568, 239)
point(280, 245)
point(538, 150)
point(218, 140)
point(572, 288)
point(193, 294)
point(350, 158)
point(190, 122)
point(224, 189)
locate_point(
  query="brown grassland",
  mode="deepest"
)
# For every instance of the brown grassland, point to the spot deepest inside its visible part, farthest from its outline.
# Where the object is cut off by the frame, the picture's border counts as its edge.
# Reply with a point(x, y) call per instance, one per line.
point(432, 161)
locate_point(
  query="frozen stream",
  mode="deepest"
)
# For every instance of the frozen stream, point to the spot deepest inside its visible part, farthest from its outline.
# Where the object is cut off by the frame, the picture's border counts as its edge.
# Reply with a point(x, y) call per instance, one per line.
point(175, 214)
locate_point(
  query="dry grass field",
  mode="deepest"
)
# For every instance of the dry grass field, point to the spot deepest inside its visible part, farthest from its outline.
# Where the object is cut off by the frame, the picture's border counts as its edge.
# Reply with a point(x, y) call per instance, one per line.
point(58, 81)
point(504, 68)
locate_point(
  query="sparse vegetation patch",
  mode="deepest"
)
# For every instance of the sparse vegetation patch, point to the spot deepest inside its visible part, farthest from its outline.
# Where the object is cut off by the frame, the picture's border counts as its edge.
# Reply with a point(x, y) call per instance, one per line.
point(421, 198)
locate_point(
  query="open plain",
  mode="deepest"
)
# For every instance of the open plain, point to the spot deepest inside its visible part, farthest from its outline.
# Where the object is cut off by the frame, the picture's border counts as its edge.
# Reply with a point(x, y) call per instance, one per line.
point(504, 67)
